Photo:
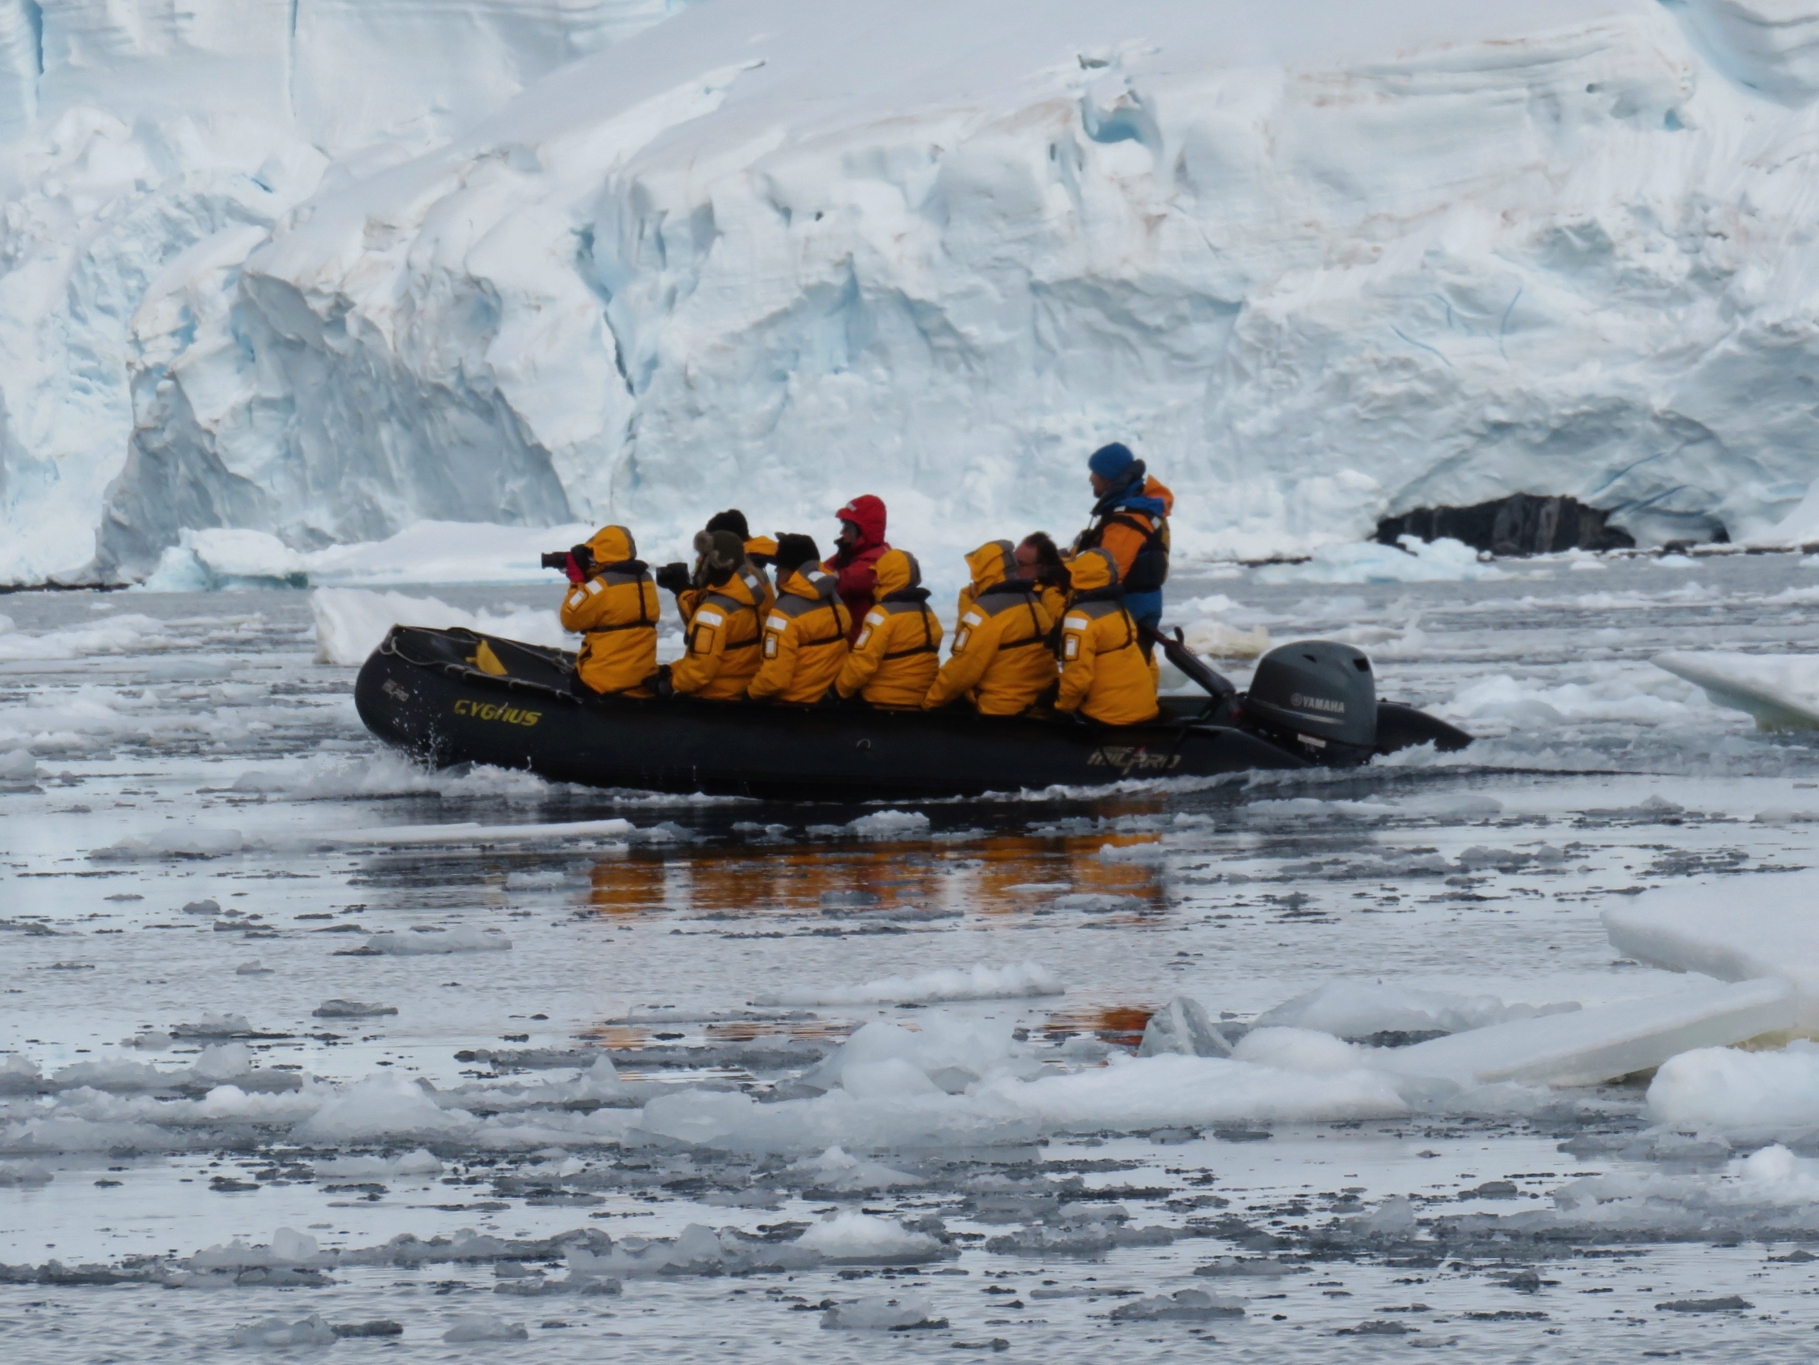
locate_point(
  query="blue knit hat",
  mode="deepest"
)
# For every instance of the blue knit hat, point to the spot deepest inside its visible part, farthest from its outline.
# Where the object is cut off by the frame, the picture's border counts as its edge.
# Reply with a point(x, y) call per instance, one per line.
point(1109, 462)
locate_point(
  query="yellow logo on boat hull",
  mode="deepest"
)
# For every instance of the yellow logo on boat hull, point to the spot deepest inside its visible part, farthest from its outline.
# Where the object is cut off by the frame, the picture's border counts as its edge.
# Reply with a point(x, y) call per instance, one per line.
point(487, 710)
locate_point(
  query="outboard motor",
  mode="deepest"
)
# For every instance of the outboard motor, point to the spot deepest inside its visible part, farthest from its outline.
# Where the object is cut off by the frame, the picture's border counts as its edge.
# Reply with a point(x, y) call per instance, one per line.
point(1317, 698)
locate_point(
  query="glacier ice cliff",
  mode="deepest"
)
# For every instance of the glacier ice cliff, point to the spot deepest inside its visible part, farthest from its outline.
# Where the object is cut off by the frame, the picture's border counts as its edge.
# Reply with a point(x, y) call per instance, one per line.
point(328, 268)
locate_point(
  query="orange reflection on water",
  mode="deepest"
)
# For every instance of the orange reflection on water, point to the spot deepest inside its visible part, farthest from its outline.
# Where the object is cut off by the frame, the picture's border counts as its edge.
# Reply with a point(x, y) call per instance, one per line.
point(1122, 1025)
point(997, 875)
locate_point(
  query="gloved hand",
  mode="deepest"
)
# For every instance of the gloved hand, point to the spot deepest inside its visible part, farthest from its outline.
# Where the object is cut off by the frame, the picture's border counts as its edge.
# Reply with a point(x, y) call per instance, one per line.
point(659, 682)
point(830, 699)
point(1072, 717)
point(673, 576)
point(572, 569)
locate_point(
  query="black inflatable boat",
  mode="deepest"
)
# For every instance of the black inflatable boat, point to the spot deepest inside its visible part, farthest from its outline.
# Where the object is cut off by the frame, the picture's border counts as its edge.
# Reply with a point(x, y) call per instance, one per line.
point(454, 696)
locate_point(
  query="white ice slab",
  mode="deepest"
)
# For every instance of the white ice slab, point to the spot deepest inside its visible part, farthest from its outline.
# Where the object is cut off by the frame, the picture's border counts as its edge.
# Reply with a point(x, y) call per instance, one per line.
point(1780, 690)
point(470, 832)
point(1600, 1044)
point(1732, 930)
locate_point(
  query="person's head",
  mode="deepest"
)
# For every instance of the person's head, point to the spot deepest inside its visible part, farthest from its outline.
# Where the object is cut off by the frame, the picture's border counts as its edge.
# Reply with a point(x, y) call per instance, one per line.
point(612, 545)
point(795, 552)
point(718, 557)
point(1093, 569)
point(1038, 556)
point(897, 571)
point(861, 523)
point(992, 562)
point(1109, 467)
point(730, 520)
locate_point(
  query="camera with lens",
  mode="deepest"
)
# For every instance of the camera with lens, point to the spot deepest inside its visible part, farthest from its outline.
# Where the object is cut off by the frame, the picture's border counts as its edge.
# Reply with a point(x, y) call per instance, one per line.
point(558, 560)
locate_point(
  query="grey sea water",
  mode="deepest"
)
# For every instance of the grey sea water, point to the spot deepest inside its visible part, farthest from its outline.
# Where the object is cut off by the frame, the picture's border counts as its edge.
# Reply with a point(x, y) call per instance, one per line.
point(201, 851)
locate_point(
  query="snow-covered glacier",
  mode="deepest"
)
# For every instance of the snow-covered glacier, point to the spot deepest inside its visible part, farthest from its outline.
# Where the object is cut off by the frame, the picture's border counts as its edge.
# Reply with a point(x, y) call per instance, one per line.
point(327, 268)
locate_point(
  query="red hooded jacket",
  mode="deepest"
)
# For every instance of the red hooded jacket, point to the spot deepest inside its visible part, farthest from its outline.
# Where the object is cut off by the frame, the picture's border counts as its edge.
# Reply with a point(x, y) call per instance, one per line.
point(855, 567)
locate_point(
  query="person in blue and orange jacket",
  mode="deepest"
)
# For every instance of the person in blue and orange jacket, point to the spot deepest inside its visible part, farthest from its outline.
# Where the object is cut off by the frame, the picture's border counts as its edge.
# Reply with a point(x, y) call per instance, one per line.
point(1130, 521)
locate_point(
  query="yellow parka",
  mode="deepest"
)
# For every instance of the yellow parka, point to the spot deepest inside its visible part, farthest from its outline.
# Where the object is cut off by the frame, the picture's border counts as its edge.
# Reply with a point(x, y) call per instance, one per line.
point(724, 626)
point(804, 641)
point(898, 651)
point(1001, 657)
point(1104, 674)
point(616, 609)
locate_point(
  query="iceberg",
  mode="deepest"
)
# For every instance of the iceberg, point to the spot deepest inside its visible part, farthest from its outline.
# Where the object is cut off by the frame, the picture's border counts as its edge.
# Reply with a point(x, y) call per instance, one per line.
point(321, 270)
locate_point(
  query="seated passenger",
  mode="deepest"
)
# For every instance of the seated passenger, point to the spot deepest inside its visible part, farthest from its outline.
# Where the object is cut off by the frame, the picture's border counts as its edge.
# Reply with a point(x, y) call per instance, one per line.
point(1104, 674)
point(761, 550)
point(899, 646)
point(1001, 659)
point(1039, 560)
point(614, 604)
point(721, 615)
point(857, 550)
point(805, 631)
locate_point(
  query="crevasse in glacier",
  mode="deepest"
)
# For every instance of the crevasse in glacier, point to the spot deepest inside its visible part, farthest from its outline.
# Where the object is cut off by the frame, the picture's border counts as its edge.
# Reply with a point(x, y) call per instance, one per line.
point(519, 261)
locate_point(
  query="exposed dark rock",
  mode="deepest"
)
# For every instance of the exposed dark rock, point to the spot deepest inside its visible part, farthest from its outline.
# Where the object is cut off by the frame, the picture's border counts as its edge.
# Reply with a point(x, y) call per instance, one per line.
point(1521, 524)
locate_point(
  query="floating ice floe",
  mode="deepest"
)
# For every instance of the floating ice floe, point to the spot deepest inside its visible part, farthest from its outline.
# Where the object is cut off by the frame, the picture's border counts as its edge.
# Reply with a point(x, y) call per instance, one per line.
point(1587, 1046)
point(1183, 1026)
point(1358, 1009)
point(1015, 981)
point(429, 941)
point(1780, 690)
point(1412, 561)
point(851, 1237)
point(879, 1313)
point(1730, 1090)
point(1713, 931)
point(469, 832)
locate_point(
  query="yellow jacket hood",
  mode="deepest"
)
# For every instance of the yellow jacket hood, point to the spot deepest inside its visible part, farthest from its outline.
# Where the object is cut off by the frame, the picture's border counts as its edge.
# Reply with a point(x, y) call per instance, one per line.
point(613, 545)
point(992, 562)
point(1093, 570)
point(897, 570)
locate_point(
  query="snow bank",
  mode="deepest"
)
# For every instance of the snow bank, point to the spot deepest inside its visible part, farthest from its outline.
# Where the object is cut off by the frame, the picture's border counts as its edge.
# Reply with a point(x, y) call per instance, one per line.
point(1020, 980)
point(351, 623)
point(1780, 690)
point(1714, 932)
point(1587, 1046)
point(1356, 1009)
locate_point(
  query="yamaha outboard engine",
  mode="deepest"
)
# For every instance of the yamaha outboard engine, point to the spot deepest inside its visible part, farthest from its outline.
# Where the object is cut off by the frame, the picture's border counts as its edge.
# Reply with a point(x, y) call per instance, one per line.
point(1317, 698)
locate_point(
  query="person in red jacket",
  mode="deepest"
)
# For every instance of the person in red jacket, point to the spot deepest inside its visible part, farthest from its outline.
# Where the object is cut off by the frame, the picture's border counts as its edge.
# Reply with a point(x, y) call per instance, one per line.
point(855, 563)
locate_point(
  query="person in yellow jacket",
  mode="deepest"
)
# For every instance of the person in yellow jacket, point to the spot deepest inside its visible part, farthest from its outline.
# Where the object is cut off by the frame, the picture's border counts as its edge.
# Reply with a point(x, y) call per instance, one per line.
point(805, 632)
point(613, 604)
point(1001, 658)
point(898, 651)
point(722, 618)
point(1104, 674)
